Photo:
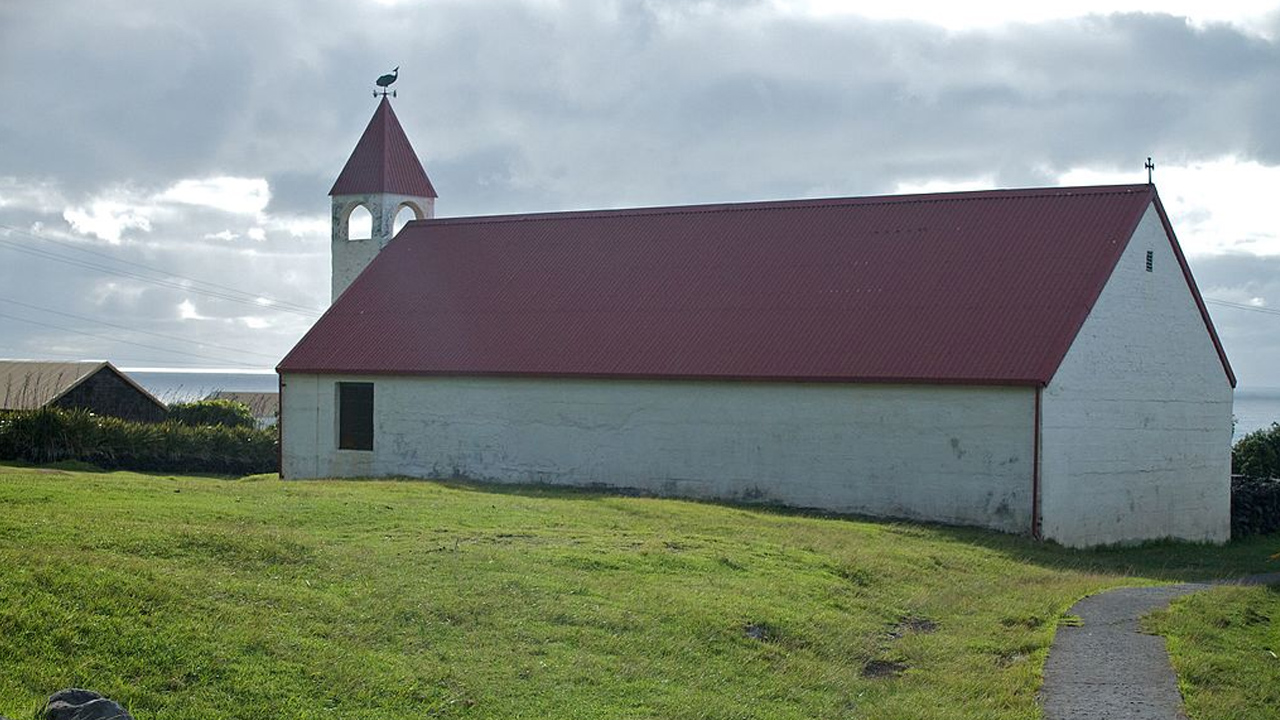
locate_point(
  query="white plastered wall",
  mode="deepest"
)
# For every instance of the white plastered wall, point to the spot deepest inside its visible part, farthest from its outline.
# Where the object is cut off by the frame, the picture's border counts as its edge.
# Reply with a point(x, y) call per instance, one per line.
point(1136, 424)
point(953, 454)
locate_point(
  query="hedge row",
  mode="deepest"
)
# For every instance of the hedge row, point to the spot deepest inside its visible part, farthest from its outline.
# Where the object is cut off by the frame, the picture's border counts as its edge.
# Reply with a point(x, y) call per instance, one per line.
point(227, 413)
point(1255, 489)
point(1257, 455)
point(1255, 506)
point(52, 434)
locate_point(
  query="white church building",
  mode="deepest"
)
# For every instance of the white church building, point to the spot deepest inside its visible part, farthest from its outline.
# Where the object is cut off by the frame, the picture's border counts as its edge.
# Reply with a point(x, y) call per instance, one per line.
point(1036, 361)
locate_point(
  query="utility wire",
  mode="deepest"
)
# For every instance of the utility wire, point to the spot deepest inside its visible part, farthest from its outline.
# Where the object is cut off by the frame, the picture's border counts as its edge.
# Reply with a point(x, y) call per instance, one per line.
point(162, 336)
point(77, 248)
point(1242, 306)
point(154, 281)
point(9, 353)
point(213, 290)
point(220, 291)
point(120, 340)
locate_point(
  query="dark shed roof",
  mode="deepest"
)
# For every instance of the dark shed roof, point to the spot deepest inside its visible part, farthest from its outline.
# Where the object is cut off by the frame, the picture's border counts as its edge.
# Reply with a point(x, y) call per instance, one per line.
point(981, 287)
point(30, 384)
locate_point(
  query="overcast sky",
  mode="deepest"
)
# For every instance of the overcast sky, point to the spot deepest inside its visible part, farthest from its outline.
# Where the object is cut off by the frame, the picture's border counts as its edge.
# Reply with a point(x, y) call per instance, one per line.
point(164, 166)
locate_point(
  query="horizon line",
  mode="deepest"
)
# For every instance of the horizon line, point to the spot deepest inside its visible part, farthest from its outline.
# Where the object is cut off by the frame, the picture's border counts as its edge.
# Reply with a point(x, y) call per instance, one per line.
point(202, 371)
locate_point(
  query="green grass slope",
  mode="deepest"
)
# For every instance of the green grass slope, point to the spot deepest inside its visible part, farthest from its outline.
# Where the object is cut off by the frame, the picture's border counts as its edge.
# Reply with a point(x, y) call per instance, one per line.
point(192, 598)
point(1225, 645)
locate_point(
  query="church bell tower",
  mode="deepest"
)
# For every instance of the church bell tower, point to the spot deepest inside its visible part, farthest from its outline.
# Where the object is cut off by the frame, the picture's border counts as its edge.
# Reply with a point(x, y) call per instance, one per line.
point(383, 175)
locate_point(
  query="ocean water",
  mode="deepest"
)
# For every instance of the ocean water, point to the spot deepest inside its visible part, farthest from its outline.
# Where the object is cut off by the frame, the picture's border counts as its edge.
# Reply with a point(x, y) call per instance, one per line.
point(1255, 408)
point(174, 386)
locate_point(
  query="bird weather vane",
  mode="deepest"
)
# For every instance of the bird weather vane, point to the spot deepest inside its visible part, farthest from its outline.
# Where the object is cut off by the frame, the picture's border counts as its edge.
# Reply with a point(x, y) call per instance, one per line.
point(385, 81)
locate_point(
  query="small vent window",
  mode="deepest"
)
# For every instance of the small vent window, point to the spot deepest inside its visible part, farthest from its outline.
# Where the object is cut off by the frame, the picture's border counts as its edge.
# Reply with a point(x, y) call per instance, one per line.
point(1151, 260)
point(355, 416)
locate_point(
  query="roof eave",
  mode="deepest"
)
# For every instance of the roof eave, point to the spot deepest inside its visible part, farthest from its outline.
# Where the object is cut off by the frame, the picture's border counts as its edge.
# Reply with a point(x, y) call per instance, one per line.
point(282, 370)
point(1056, 358)
point(1195, 290)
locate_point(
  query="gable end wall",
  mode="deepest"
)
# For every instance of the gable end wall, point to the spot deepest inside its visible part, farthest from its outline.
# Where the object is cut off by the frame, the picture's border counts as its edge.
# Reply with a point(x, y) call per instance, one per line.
point(106, 393)
point(1136, 423)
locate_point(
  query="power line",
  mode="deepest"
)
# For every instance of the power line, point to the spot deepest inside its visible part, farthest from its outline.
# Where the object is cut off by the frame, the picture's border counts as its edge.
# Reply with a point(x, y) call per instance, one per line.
point(9, 353)
point(224, 361)
point(210, 289)
point(77, 248)
point(1242, 306)
point(135, 276)
point(162, 336)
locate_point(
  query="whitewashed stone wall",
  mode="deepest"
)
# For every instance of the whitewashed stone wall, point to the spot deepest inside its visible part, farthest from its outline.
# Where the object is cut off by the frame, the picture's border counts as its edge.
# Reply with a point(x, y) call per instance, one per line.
point(953, 454)
point(1137, 421)
point(351, 256)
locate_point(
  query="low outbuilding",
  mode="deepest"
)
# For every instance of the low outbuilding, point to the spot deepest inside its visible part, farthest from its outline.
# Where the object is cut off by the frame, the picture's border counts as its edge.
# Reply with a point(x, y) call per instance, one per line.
point(94, 386)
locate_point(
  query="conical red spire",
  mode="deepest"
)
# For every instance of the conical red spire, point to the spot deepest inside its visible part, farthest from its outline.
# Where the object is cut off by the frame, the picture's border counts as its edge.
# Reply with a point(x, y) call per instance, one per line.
point(383, 161)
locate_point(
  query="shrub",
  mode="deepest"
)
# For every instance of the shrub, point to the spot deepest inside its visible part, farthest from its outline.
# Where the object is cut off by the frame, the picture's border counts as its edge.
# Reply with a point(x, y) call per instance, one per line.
point(7, 450)
point(1255, 506)
point(52, 434)
point(1257, 455)
point(227, 413)
point(49, 434)
point(1255, 493)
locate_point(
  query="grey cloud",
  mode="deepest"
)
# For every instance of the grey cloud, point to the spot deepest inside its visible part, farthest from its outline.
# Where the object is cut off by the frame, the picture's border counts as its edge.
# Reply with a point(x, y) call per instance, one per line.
point(299, 193)
point(1251, 338)
point(517, 106)
point(660, 97)
point(176, 91)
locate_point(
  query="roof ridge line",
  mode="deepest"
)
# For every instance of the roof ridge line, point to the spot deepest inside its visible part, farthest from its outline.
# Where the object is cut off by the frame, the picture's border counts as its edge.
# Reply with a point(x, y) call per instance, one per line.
point(802, 204)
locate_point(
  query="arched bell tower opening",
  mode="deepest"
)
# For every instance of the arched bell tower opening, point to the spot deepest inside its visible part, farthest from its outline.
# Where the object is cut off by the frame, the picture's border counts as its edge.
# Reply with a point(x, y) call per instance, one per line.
point(359, 223)
point(405, 214)
point(384, 178)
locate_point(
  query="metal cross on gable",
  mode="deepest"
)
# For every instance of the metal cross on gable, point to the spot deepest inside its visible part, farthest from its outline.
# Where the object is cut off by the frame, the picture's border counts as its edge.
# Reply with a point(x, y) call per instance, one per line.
point(1151, 167)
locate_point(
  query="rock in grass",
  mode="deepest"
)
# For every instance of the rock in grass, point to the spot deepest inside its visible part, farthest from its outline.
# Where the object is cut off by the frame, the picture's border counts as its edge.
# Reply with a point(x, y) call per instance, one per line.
point(77, 704)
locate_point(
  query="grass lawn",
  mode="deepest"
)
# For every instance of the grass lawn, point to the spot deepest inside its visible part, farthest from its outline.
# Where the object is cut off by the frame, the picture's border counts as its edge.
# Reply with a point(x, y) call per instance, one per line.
point(1225, 645)
point(190, 597)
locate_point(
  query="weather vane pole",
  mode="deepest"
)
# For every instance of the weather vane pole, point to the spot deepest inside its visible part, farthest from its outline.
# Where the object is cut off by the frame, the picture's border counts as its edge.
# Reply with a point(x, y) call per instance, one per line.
point(1150, 166)
point(385, 81)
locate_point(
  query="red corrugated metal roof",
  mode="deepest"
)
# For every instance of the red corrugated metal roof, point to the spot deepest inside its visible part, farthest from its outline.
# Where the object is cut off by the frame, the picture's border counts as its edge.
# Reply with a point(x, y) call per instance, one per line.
point(383, 161)
point(983, 287)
